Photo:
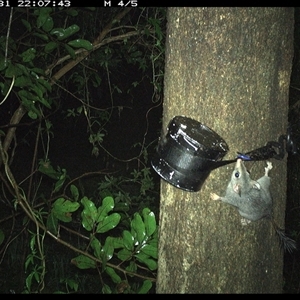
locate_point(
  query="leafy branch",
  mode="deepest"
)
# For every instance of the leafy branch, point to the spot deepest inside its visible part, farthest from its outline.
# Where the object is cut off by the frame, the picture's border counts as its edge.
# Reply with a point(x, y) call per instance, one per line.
point(88, 223)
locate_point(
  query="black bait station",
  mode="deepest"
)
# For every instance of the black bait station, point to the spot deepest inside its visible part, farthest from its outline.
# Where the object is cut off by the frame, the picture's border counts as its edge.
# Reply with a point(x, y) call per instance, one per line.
point(187, 154)
point(190, 151)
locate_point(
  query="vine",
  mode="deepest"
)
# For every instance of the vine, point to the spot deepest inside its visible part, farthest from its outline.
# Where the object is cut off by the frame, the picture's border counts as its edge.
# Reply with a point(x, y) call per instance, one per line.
point(115, 229)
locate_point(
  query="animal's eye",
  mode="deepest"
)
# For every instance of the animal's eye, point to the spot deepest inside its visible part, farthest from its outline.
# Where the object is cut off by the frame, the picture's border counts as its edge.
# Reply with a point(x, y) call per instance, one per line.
point(237, 174)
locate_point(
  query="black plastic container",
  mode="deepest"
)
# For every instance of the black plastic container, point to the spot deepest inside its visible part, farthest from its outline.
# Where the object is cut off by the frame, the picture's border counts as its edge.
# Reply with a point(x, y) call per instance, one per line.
point(188, 152)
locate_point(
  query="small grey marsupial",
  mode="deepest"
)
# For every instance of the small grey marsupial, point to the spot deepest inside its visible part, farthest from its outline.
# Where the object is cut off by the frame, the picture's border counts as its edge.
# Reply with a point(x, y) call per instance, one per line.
point(253, 199)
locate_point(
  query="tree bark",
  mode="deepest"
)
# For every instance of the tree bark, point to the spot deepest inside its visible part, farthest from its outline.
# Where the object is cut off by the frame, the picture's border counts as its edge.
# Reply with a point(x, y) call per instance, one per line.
point(228, 68)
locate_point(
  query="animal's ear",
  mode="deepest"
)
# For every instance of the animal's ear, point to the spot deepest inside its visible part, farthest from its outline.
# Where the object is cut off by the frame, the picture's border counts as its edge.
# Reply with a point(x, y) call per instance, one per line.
point(256, 185)
point(237, 189)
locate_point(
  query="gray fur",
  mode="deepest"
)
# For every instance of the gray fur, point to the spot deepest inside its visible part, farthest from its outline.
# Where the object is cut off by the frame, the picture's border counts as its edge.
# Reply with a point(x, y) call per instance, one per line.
point(253, 199)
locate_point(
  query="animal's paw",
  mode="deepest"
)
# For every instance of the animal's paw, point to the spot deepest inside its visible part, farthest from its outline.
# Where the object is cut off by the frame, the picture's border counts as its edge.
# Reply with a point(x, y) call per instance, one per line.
point(268, 168)
point(214, 196)
point(245, 221)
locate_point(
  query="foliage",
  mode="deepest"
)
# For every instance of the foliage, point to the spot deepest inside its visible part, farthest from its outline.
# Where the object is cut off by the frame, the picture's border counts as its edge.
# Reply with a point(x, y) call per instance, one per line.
point(48, 55)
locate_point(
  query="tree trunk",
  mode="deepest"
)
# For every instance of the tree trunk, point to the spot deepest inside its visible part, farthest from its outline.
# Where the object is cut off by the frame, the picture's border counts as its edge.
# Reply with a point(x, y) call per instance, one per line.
point(228, 68)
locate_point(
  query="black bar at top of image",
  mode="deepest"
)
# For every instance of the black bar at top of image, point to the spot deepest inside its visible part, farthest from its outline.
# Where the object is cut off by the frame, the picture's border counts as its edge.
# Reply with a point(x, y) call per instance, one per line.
point(101, 3)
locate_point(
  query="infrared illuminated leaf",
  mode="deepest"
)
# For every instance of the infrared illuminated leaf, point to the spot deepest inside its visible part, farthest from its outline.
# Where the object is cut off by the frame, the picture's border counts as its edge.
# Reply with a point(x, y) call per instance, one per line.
point(63, 208)
point(124, 254)
point(43, 15)
point(128, 240)
point(96, 245)
point(26, 24)
point(50, 46)
point(149, 220)
point(138, 227)
point(150, 250)
point(74, 192)
point(52, 223)
point(48, 25)
point(147, 285)
point(109, 223)
point(113, 275)
point(88, 214)
point(62, 33)
point(107, 206)
point(80, 43)
point(108, 249)
point(144, 258)
point(28, 55)
point(83, 262)
point(70, 51)
point(60, 181)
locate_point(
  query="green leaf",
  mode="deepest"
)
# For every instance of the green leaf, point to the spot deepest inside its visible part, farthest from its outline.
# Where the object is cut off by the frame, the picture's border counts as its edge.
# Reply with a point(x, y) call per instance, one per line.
point(50, 46)
point(28, 55)
point(29, 104)
point(80, 43)
point(39, 87)
point(128, 240)
point(113, 275)
point(36, 71)
point(108, 249)
point(73, 284)
point(13, 70)
point(43, 100)
point(150, 250)
point(60, 181)
point(106, 289)
point(39, 91)
point(62, 33)
point(63, 208)
point(121, 206)
point(43, 15)
point(52, 223)
point(108, 204)
point(23, 81)
point(149, 220)
point(28, 100)
point(124, 254)
point(144, 289)
point(48, 25)
point(45, 83)
point(96, 246)
point(23, 69)
point(138, 227)
point(132, 267)
point(70, 51)
point(144, 258)
point(74, 192)
point(28, 281)
point(33, 115)
point(108, 223)
point(118, 242)
point(41, 36)
point(64, 205)
point(46, 168)
point(89, 214)
point(72, 12)
point(83, 262)
point(26, 24)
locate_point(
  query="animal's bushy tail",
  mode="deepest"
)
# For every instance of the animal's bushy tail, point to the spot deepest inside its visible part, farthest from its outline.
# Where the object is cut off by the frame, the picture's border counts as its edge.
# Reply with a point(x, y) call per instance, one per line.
point(286, 243)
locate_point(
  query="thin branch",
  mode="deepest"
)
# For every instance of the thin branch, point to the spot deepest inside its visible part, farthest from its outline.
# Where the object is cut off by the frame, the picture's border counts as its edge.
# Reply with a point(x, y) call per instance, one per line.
point(7, 35)
point(20, 112)
point(84, 52)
